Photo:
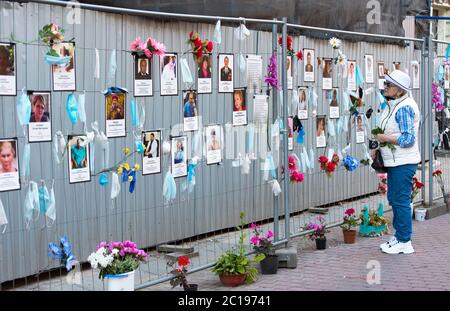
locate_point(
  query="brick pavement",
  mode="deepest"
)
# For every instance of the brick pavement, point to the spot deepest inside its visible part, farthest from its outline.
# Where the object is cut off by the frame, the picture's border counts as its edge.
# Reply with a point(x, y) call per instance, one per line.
point(343, 267)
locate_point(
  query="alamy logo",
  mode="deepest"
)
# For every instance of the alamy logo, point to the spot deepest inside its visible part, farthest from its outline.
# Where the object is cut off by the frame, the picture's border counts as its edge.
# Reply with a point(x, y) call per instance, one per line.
point(374, 15)
point(73, 13)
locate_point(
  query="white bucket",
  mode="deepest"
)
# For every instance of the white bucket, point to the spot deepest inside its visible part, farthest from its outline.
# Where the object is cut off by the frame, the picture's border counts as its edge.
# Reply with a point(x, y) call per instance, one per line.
point(120, 282)
point(420, 214)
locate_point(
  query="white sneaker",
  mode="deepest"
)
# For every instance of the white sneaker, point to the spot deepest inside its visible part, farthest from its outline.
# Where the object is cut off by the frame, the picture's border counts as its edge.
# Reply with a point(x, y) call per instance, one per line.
point(386, 244)
point(398, 247)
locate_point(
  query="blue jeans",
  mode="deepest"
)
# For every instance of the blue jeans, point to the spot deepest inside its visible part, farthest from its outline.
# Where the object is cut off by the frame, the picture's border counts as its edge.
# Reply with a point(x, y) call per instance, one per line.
point(400, 182)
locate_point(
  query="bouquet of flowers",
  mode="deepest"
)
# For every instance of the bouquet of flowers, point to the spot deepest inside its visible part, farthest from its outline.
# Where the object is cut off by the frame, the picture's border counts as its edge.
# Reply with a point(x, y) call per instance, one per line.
point(350, 163)
point(116, 258)
point(319, 229)
point(356, 102)
point(62, 252)
point(295, 176)
point(262, 244)
point(379, 130)
point(148, 48)
point(290, 50)
point(180, 272)
point(382, 185)
point(438, 98)
point(438, 175)
point(350, 219)
point(128, 172)
point(329, 166)
point(417, 185)
point(199, 47)
point(51, 34)
point(271, 78)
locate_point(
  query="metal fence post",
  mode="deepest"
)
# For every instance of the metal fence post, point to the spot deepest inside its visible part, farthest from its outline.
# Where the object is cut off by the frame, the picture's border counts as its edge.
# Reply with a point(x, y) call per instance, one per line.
point(423, 96)
point(274, 117)
point(430, 118)
point(285, 130)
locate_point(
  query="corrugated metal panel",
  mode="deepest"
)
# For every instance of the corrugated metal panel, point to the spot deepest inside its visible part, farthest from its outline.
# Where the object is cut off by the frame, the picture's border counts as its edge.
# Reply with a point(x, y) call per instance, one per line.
point(84, 211)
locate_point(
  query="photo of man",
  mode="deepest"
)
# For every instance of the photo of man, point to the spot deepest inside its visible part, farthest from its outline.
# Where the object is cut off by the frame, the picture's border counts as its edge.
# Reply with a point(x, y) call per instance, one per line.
point(115, 115)
point(190, 111)
point(143, 69)
point(225, 70)
point(152, 147)
point(151, 160)
point(78, 153)
point(116, 107)
point(308, 68)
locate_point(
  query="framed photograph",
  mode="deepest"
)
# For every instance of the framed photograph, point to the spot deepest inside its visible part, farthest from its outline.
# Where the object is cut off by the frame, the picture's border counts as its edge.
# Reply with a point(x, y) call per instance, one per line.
point(396, 65)
point(79, 159)
point(169, 74)
point(309, 67)
point(351, 75)
point(190, 110)
point(204, 75)
point(213, 144)
point(368, 68)
point(446, 77)
point(63, 76)
point(303, 103)
point(239, 107)
point(333, 102)
point(8, 77)
point(290, 75)
point(179, 156)
point(254, 74)
point(360, 129)
point(416, 75)
point(291, 133)
point(381, 71)
point(143, 81)
point(152, 158)
point(321, 129)
point(9, 164)
point(40, 127)
point(260, 108)
point(226, 71)
point(115, 115)
point(327, 74)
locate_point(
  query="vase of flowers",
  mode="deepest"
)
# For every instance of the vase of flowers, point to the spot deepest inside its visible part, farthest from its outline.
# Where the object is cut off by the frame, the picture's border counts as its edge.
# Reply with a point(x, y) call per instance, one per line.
point(117, 262)
point(180, 274)
point(318, 232)
point(263, 244)
point(351, 222)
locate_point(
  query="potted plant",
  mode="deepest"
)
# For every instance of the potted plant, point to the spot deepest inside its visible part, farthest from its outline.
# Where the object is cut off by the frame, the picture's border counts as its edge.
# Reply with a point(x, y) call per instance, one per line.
point(263, 244)
point(233, 267)
point(349, 225)
point(180, 274)
point(117, 262)
point(318, 232)
point(373, 222)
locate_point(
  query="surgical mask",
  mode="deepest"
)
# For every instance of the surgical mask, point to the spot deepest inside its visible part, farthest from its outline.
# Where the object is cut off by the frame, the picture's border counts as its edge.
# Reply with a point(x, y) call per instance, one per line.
point(31, 202)
point(72, 108)
point(331, 129)
point(217, 33)
point(3, 219)
point(59, 144)
point(51, 210)
point(44, 198)
point(169, 187)
point(242, 63)
point(185, 71)
point(57, 60)
point(115, 186)
point(23, 108)
point(82, 112)
point(26, 161)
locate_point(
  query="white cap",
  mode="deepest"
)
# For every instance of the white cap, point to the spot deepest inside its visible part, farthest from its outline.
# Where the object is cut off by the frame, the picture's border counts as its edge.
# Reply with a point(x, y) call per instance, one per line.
point(399, 78)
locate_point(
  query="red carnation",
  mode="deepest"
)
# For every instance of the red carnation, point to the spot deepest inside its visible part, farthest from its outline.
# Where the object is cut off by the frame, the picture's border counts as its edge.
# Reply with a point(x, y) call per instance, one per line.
point(183, 261)
point(323, 159)
point(349, 211)
point(209, 46)
point(330, 167)
point(199, 53)
point(437, 173)
point(299, 55)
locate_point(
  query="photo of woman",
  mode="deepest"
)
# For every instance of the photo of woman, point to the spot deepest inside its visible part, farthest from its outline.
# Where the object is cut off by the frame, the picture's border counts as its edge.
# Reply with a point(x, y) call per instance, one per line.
point(302, 103)
point(368, 61)
point(169, 81)
point(40, 108)
point(39, 129)
point(239, 107)
point(78, 153)
point(204, 73)
point(351, 75)
point(213, 144)
point(332, 97)
point(320, 132)
point(64, 75)
point(359, 129)
point(308, 69)
point(7, 69)
point(9, 165)
point(327, 79)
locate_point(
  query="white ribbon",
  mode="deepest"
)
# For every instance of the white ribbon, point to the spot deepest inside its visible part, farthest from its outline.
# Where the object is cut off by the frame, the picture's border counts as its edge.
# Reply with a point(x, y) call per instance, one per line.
point(112, 66)
point(97, 65)
point(276, 189)
point(242, 63)
point(217, 33)
point(311, 157)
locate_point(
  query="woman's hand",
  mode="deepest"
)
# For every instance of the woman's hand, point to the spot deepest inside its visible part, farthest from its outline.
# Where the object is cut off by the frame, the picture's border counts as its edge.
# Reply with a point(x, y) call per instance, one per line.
point(383, 138)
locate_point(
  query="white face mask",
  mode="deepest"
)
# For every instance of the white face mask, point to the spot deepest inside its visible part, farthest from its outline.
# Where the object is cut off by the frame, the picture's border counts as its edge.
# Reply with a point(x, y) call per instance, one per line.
point(3, 219)
point(51, 209)
point(31, 202)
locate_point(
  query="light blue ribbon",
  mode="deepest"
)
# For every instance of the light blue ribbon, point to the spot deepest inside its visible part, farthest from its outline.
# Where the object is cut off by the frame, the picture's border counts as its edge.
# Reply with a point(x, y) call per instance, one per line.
point(72, 108)
point(112, 65)
point(134, 113)
point(301, 136)
point(23, 108)
point(447, 53)
point(359, 77)
point(26, 161)
point(56, 60)
point(103, 180)
point(190, 180)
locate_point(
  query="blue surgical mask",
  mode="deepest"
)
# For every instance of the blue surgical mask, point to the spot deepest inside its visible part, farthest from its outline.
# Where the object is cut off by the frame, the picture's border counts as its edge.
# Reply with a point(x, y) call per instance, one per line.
point(23, 108)
point(72, 108)
point(44, 198)
point(31, 202)
point(169, 187)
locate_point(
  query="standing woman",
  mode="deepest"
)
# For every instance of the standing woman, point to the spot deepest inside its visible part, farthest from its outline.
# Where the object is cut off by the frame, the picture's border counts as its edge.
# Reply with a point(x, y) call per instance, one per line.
point(400, 122)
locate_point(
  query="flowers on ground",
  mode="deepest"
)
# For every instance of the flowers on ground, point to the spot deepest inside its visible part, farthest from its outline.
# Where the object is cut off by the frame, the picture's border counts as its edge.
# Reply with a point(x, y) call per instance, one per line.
point(319, 229)
point(417, 185)
point(350, 219)
point(262, 244)
point(382, 185)
point(179, 271)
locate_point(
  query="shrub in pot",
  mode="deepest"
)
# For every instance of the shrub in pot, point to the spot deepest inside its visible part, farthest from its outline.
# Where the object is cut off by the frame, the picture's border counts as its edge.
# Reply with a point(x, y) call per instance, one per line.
point(180, 274)
point(233, 267)
point(351, 222)
point(318, 231)
point(263, 245)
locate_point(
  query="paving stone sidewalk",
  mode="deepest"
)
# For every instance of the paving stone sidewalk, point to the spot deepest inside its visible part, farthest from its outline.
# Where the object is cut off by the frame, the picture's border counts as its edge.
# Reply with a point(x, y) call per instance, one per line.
point(345, 267)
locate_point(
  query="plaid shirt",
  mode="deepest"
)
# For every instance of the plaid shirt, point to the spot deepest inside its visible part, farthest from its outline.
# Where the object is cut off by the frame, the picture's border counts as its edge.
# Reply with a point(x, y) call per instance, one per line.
point(405, 119)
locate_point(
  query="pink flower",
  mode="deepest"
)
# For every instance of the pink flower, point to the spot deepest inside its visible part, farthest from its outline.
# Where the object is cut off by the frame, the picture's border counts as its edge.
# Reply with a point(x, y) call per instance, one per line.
point(54, 28)
point(122, 253)
point(135, 44)
point(349, 211)
point(254, 240)
point(269, 234)
point(158, 48)
point(252, 226)
point(148, 53)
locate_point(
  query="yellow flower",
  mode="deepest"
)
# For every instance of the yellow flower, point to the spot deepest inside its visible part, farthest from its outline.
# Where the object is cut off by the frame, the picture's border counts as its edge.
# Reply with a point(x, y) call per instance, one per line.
point(130, 178)
point(126, 151)
point(126, 166)
point(137, 167)
point(120, 170)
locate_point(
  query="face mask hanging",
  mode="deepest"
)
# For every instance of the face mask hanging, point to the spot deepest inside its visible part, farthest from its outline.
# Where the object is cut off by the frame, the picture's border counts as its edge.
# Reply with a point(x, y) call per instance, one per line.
point(169, 187)
point(217, 33)
point(72, 108)
point(31, 203)
point(185, 71)
point(112, 67)
point(26, 162)
point(51, 210)
point(59, 144)
point(97, 65)
point(3, 219)
point(82, 110)
point(23, 108)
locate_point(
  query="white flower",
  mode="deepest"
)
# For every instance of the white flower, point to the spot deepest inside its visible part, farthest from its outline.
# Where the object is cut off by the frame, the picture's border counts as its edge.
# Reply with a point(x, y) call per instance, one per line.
point(100, 259)
point(115, 251)
point(335, 43)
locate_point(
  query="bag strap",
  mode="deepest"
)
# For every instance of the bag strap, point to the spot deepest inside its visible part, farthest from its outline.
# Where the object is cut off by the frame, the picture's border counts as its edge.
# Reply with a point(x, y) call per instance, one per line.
point(391, 112)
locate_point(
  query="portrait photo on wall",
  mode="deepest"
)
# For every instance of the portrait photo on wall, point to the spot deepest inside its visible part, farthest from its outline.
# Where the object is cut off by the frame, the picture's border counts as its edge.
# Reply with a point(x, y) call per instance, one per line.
point(381, 72)
point(415, 75)
point(63, 76)
point(351, 75)
point(360, 136)
point(8, 78)
point(368, 66)
point(143, 83)
point(40, 127)
point(204, 74)
point(190, 110)
point(327, 74)
point(169, 74)
point(302, 103)
point(213, 144)
point(179, 156)
point(226, 72)
point(446, 77)
point(321, 138)
point(291, 133)
point(9, 164)
point(79, 161)
point(239, 107)
point(333, 102)
point(115, 115)
point(290, 71)
point(308, 69)
point(151, 160)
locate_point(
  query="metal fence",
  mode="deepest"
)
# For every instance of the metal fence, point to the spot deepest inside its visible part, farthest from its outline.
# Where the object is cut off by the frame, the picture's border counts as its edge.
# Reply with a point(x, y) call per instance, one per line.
point(204, 219)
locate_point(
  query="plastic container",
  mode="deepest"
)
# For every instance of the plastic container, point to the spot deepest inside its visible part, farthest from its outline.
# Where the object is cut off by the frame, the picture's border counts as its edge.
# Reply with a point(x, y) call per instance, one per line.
point(120, 282)
point(420, 213)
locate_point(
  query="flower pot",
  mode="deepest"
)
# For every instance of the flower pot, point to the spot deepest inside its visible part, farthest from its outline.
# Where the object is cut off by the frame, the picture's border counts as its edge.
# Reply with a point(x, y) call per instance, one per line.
point(269, 265)
point(191, 288)
point(120, 282)
point(420, 214)
point(321, 244)
point(412, 210)
point(232, 280)
point(349, 236)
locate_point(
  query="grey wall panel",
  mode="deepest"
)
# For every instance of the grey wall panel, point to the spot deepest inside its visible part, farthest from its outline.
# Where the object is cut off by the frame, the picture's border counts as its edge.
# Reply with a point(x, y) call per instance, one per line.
point(84, 211)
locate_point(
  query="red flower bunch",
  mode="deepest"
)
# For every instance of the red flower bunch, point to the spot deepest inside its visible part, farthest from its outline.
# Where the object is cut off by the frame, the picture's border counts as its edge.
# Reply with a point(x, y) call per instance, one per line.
point(327, 165)
point(199, 47)
point(417, 185)
point(295, 175)
point(437, 173)
point(290, 50)
point(179, 273)
point(382, 185)
point(299, 55)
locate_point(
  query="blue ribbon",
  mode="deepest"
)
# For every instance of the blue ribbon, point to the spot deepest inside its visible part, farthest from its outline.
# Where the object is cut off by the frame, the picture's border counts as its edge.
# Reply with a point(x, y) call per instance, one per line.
point(134, 114)
point(56, 60)
point(169, 187)
point(301, 136)
point(133, 181)
point(114, 89)
point(140, 148)
point(359, 77)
